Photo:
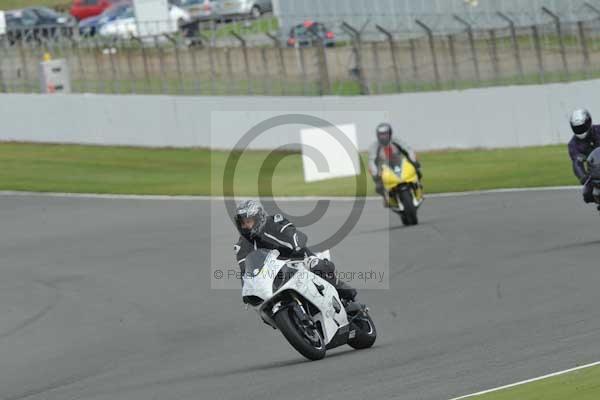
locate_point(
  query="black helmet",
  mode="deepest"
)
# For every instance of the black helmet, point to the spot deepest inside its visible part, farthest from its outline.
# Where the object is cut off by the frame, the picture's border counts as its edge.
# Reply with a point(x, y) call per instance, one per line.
point(581, 123)
point(250, 209)
point(384, 134)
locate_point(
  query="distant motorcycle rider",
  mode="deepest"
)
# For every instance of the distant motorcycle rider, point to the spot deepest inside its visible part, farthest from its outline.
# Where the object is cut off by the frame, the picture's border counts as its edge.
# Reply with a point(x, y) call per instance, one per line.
point(258, 230)
point(388, 150)
point(586, 138)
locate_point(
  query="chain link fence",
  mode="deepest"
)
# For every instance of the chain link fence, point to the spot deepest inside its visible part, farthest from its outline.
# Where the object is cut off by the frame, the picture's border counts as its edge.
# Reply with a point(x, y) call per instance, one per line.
point(201, 60)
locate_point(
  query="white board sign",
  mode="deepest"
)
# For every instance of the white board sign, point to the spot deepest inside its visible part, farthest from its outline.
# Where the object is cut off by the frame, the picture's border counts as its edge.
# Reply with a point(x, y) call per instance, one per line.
point(2, 23)
point(152, 17)
point(326, 155)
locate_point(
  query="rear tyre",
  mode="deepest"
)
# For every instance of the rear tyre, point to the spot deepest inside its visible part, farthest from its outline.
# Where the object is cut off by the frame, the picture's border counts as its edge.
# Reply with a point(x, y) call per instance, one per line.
point(366, 333)
point(409, 216)
point(308, 342)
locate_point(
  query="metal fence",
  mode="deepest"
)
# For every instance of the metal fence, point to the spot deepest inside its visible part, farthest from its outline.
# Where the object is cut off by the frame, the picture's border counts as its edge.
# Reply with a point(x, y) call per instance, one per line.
point(400, 16)
point(262, 64)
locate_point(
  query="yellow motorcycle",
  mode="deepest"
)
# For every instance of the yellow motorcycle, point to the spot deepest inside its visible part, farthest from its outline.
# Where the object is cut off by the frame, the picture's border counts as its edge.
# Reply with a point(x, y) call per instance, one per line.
point(403, 190)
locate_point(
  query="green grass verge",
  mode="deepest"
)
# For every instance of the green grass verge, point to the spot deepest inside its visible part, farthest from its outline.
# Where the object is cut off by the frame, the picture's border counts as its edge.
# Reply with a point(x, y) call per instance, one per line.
point(583, 384)
point(95, 169)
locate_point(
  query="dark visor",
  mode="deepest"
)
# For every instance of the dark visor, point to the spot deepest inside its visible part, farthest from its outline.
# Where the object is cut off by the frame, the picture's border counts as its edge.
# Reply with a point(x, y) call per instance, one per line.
point(581, 129)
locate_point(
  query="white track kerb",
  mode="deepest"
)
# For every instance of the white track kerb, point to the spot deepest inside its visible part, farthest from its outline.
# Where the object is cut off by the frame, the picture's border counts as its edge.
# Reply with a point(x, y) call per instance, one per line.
point(528, 381)
point(283, 199)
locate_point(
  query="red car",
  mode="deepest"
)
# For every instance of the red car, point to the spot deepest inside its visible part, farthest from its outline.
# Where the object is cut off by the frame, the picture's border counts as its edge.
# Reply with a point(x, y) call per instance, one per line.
point(89, 8)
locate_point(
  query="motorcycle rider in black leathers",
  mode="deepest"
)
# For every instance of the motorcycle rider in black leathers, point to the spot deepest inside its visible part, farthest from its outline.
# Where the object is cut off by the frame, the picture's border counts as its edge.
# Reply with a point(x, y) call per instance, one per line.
point(387, 150)
point(261, 231)
point(586, 138)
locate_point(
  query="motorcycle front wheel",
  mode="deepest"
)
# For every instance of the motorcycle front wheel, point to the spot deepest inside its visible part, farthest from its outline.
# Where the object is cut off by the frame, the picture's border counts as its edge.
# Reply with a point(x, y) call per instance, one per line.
point(308, 341)
point(409, 215)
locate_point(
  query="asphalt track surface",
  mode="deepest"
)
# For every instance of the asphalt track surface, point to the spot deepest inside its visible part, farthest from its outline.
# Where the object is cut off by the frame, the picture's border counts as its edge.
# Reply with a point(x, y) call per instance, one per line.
point(112, 299)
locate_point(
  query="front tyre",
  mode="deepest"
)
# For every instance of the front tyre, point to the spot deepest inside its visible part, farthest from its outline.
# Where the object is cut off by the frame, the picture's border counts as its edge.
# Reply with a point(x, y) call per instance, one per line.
point(366, 334)
point(410, 211)
point(306, 340)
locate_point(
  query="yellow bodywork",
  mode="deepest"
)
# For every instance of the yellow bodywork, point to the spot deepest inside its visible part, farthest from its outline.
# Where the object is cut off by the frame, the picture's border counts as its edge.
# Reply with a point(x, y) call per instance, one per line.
point(407, 175)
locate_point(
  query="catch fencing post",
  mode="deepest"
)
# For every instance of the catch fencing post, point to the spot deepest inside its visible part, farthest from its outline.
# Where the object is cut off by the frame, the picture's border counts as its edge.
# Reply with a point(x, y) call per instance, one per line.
point(99, 67)
point(494, 51)
point(413, 59)
point(177, 61)
point(83, 84)
point(429, 32)
point(390, 40)
point(596, 11)
point(561, 43)
point(8, 84)
point(538, 51)
point(161, 61)
point(131, 73)
point(246, 62)
point(24, 71)
point(145, 59)
point(324, 86)
point(229, 70)
point(584, 47)
point(455, 71)
point(211, 60)
point(356, 48)
point(113, 69)
point(282, 71)
point(3, 88)
point(267, 84)
point(515, 42)
point(469, 29)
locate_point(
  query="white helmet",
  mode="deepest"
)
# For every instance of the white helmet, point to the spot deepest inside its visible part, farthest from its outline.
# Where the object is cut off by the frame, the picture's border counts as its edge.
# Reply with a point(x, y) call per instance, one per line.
point(581, 123)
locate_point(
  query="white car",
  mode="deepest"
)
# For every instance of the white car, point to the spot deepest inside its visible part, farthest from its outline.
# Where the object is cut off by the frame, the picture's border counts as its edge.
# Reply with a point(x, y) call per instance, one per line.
point(126, 26)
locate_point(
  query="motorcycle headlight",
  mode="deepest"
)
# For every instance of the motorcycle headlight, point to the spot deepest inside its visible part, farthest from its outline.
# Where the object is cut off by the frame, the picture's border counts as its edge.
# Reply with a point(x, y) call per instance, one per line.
point(283, 276)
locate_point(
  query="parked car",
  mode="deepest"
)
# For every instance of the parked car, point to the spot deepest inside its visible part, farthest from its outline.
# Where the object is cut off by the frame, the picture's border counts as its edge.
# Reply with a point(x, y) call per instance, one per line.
point(199, 9)
point(35, 23)
point(82, 9)
point(309, 32)
point(251, 8)
point(90, 26)
point(126, 26)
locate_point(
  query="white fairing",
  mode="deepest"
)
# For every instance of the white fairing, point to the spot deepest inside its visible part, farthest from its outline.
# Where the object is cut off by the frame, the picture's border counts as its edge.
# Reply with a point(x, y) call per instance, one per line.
point(305, 284)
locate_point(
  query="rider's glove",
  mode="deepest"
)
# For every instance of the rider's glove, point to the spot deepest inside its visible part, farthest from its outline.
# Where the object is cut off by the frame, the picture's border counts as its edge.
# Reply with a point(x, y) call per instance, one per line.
point(312, 262)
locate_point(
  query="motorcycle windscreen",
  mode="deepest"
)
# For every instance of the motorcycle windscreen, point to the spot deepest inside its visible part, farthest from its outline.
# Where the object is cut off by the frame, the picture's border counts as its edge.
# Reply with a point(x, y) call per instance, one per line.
point(257, 283)
point(258, 259)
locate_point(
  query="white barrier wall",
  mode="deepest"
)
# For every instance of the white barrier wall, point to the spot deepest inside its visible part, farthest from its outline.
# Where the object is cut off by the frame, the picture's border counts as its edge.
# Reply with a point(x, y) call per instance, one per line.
point(489, 118)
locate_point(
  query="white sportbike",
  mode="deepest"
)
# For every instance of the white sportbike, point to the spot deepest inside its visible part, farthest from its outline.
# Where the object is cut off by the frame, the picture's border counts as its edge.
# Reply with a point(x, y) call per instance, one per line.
point(303, 306)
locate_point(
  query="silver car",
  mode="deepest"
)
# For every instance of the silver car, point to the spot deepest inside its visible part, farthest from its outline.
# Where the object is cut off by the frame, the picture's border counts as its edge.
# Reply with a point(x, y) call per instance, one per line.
point(252, 8)
point(201, 9)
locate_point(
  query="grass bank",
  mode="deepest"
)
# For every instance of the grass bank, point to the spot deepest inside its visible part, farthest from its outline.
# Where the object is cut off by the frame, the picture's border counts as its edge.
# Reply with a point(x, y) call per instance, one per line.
point(583, 384)
point(125, 170)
